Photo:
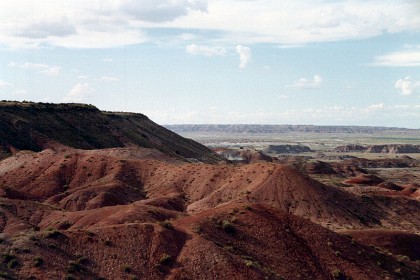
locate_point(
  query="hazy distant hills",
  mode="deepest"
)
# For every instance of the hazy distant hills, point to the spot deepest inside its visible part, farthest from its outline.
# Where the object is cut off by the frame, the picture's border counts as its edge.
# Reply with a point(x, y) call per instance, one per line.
point(255, 128)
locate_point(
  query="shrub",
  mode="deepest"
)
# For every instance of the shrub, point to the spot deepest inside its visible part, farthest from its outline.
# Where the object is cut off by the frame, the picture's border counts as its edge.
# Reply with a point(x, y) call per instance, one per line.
point(52, 233)
point(337, 253)
point(69, 277)
point(228, 227)
point(338, 274)
point(12, 263)
point(8, 257)
point(165, 259)
point(74, 266)
point(166, 224)
point(38, 261)
point(108, 242)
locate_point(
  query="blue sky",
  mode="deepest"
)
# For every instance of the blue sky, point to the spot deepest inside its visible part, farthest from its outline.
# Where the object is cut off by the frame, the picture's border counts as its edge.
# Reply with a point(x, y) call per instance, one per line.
point(213, 61)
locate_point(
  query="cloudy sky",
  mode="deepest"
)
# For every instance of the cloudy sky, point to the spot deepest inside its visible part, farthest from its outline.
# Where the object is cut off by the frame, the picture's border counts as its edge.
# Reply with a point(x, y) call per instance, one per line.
point(327, 62)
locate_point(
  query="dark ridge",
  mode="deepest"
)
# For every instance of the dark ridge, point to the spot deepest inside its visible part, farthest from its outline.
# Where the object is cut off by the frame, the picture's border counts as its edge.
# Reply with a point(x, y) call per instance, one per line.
point(32, 126)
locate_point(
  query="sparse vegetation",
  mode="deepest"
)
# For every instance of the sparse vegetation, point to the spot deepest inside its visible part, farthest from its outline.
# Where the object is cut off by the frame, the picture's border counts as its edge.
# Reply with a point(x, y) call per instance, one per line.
point(74, 266)
point(69, 277)
point(108, 242)
point(228, 227)
point(166, 224)
point(338, 274)
point(52, 233)
point(165, 259)
point(38, 261)
point(126, 269)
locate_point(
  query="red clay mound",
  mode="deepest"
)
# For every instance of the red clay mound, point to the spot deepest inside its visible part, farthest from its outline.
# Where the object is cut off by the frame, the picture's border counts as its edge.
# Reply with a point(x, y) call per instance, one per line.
point(263, 243)
point(365, 179)
point(390, 186)
point(235, 241)
point(76, 180)
point(398, 243)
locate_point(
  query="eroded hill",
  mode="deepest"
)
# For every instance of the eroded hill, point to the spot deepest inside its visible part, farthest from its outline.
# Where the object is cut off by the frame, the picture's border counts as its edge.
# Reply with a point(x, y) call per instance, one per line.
point(139, 209)
point(135, 212)
point(35, 126)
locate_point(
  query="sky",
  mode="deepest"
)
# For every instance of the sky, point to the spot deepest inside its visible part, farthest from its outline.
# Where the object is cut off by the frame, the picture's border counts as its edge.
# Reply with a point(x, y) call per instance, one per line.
point(321, 62)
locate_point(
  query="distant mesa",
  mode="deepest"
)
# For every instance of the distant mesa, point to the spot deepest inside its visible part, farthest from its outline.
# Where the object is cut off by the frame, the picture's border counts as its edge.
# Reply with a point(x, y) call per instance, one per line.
point(382, 149)
point(287, 149)
point(394, 149)
point(273, 129)
point(349, 148)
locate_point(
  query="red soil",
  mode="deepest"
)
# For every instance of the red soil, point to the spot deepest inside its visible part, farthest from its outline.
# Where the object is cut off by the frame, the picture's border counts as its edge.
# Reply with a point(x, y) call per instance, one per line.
point(108, 203)
point(396, 242)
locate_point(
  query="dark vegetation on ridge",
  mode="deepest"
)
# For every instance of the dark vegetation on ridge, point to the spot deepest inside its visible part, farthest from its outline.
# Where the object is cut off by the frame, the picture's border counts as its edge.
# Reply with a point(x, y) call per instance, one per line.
point(32, 126)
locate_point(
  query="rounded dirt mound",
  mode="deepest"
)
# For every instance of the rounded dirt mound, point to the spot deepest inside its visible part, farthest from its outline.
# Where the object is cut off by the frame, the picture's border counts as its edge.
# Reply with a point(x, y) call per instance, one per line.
point(398, 243)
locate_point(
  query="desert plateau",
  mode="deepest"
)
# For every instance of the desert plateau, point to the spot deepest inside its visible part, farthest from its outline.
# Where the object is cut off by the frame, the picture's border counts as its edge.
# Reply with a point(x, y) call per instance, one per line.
point(129, 199)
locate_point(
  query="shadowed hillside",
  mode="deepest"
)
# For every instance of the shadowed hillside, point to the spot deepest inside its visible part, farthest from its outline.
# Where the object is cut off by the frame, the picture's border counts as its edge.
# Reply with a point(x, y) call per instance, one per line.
point(35, 126)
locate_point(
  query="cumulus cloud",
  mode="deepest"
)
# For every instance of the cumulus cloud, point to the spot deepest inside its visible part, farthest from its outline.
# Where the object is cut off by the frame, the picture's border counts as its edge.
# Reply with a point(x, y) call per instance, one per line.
point(110, 23)
point(274, 21)
point(407, 86)
point(44, 29)
point(374, 107)
point(109, 79)
point(40, 68)
point(244, 55)
point(80, 92)
point(304, 83)
point(404, 58)
point(4, 84)
point(205, 50)
point(160, 10)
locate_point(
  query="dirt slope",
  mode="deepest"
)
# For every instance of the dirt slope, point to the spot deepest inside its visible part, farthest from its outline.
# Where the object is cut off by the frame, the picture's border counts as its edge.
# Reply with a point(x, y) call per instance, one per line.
point(75, 180)
point(33, 126)
point(236, 241)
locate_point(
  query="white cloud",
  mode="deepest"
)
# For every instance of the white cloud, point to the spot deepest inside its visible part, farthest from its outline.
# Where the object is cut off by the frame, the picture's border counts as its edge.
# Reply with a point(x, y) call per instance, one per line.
point(283, 97)
point(304, 83)
point(160, 10)
point(407, 86)
point(187, 36)
point(40, 68)
point(374, 107)
point(80, 92)
point(19, 92)
point(109, 79)
point(275, 21)
point(4, 84)
point(44, 29)
point(86, 24)
point(404, 58)
point(110, 23)
point(205, 50)
point(244, 55)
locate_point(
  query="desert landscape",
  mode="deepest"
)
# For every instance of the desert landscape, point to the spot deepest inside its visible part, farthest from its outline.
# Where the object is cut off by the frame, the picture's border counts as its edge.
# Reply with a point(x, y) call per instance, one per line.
point(88, 194)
